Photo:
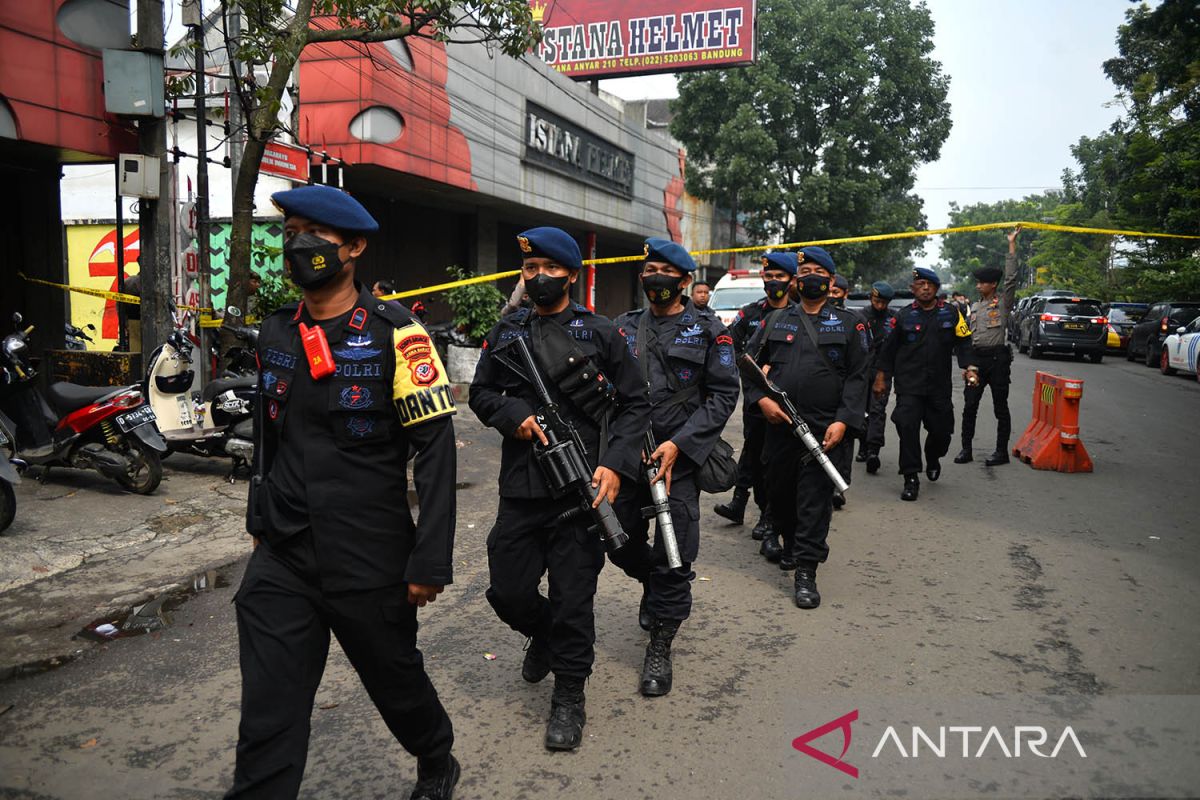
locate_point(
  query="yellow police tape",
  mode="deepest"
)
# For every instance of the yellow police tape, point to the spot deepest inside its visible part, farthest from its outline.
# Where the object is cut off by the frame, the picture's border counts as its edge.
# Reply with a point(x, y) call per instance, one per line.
point(208, 322)
point(120, 297)
point(988, 226)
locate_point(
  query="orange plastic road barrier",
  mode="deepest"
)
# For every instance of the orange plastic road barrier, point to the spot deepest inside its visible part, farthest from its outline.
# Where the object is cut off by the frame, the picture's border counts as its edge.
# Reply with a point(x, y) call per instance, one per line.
point(1052, 439)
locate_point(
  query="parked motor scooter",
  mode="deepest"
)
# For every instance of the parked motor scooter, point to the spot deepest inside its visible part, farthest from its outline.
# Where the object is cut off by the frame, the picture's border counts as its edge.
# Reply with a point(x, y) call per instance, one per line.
point(75, 336)
point(9, 476)
point(216, 421)
point(106, 428)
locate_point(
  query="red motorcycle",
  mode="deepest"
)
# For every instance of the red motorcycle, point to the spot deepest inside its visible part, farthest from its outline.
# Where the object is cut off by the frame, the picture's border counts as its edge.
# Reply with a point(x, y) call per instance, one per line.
point(105, 428)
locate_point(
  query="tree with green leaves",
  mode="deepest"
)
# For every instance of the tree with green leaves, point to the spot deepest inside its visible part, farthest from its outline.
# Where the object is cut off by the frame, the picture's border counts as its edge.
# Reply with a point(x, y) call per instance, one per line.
point(967, 252)
point(273, 34)
point(1145, 171)
point(821, 138)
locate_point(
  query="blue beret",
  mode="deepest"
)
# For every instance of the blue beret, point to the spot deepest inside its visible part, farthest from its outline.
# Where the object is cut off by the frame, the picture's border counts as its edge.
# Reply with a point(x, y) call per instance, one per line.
point(926, 274)
point(883, 289)
point(658, 249)
point(819, 256)
point(840, 282)
point(784, 260)
point(552, 243)
point(326, 205)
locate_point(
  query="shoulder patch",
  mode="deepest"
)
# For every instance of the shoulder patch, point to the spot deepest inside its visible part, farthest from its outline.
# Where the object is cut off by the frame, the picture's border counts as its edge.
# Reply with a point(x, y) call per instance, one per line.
point(961, 330)
point(420, 389)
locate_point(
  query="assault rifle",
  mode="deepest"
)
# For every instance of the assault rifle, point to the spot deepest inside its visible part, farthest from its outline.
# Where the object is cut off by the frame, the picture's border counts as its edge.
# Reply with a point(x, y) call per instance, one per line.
point(660, 509)
point(562, 461)
point(754, 374)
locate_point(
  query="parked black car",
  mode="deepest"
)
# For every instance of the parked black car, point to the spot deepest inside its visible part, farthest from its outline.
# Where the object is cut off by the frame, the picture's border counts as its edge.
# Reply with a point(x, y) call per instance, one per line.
point(1066, 325)
point(1122, 317)
point(1145, 341)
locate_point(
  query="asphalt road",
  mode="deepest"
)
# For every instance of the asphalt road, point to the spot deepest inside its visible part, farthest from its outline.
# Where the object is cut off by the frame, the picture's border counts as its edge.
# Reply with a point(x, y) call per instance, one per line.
point(997, 582)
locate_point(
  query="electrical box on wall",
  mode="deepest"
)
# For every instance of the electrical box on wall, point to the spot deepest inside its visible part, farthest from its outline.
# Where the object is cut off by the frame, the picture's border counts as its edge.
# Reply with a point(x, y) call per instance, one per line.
point(139, 176)
point(133, 83)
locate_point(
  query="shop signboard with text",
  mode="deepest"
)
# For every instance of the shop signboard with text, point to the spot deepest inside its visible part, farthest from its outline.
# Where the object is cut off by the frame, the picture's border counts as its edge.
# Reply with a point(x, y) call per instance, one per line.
point(613, 38)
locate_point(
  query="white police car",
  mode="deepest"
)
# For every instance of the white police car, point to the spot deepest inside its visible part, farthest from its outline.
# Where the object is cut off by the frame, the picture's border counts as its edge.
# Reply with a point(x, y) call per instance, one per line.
point(735, 289)
point(1181, 350)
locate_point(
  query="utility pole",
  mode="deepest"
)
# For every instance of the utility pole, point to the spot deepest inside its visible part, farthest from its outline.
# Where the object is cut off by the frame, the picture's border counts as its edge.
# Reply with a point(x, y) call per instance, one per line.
point(202, 243)
point(154, 217)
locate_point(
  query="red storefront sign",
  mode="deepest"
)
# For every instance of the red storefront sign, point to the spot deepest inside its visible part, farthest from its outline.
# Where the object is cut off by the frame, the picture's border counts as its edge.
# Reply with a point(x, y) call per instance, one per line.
point(286, 161)
point(612, 38)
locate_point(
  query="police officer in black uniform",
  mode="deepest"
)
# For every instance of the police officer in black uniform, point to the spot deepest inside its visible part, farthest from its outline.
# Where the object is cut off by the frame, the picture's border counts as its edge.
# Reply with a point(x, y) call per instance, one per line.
point(917, 359)
point(881, 321)
point(347, 384)
point(817, 354)
point(529, 538)
point(686, 357)
point(778, 275)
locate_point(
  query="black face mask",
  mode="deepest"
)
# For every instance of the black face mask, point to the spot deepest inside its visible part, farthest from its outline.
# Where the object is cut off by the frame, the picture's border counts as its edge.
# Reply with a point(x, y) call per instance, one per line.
point(661, 290)
point(840, 302)
point(313, 261)
point(545, 290)
point(776, 290)
point(814, 287)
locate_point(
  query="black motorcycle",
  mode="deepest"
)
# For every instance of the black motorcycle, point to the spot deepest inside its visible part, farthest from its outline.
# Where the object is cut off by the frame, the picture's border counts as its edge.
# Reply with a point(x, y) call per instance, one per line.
point(9, 475)
point(109, 429)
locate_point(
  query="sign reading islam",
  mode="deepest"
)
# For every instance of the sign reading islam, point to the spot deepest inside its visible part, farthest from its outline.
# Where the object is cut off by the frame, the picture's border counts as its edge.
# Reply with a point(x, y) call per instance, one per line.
point(610, 38)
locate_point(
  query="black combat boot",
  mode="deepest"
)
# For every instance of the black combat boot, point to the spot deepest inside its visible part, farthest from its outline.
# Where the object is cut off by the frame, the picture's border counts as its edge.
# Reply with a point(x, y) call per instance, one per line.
point(964, 456)
point(645, 618)
point(912, 487)
point(536, 665)
point(436, 778)
point(873, 462)
point(763, 528)
point(806, 594)
point(735, 509)
point(656, 670)
point(999, 457)
point(863, 453)
point(771, 547)
point(933, 470)
point(564, 730)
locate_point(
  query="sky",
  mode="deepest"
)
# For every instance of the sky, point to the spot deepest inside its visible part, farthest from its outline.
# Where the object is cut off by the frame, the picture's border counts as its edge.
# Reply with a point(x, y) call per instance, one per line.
point(1025, 83)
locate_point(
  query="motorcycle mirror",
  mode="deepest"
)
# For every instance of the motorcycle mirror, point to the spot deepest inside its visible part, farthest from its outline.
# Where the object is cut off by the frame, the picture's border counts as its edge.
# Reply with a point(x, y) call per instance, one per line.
point(17, 319)
point(91, 327)
point(234, 311)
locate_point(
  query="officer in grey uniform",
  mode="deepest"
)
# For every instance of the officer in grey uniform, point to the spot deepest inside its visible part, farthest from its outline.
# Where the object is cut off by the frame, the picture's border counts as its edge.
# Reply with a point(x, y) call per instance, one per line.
point(991, 356)
point(686, 358)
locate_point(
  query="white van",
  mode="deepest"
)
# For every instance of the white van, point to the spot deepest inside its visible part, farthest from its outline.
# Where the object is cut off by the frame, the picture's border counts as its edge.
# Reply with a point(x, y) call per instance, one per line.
point(735, 289)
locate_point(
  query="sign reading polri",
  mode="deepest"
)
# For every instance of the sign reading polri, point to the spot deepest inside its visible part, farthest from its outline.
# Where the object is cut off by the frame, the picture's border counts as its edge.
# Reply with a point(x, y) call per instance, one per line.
point(610, 38)
point(561, 146)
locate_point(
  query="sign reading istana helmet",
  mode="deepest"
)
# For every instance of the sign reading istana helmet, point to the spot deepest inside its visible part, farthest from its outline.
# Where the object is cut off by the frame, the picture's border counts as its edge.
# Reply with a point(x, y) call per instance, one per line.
point(611, 38)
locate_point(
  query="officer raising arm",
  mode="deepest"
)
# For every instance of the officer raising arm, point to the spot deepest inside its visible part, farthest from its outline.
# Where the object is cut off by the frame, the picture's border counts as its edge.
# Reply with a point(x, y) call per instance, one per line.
point(531, 536)
point(917, 359)
point(991, 357)
point(817, 354)
point(686, 357)
point(347, 384)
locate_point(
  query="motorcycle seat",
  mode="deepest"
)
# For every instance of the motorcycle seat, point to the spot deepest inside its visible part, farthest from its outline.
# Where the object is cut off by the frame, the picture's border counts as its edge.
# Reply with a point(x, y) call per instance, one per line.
point(215, 387)
point(68, 397)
